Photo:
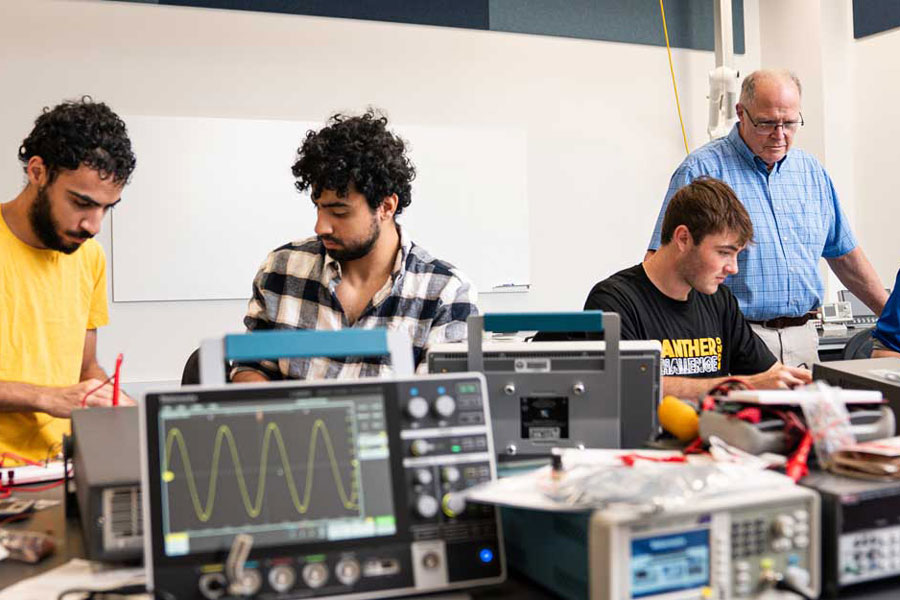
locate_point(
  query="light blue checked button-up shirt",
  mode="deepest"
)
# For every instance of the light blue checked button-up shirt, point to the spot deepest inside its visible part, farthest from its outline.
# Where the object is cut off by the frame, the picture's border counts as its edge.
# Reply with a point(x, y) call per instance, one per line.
point(796, 219)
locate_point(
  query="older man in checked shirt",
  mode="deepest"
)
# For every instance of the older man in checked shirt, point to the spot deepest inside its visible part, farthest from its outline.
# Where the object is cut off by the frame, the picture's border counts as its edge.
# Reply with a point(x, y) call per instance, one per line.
point(796, 218)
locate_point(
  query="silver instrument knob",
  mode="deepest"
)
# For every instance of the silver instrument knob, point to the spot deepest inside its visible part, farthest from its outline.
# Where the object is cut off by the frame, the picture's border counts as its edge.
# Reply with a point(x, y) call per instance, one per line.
point(450, 474)
point(419, 447)
point(424, 476)
point(417, 408)
point(445, 406)
point(282, 578)
point(454, 504)
point(427, 506)
point(347, 571)
point(315, 574)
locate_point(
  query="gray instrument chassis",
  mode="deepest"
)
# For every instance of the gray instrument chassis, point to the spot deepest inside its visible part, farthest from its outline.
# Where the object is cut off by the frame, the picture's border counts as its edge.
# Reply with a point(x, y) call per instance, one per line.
point(581, 410)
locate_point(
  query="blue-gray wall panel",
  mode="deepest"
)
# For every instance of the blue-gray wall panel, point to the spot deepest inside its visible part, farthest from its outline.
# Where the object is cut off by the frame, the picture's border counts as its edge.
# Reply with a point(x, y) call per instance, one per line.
point(470, 14)
point(690, 22)
point(874, 16)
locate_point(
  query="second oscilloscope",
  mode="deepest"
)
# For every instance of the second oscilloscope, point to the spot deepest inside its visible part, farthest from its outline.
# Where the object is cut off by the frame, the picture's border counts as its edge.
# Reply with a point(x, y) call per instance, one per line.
point(346, 489)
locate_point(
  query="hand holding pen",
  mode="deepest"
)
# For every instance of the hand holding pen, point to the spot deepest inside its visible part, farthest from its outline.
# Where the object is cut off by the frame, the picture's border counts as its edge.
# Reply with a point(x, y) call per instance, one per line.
point(107, 393)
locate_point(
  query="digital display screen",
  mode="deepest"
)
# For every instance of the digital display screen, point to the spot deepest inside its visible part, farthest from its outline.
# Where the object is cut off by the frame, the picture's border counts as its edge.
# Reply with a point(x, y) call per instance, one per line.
point(285, 471)
point(830, 310)
point(544, 418)
point(669, 563)
point(856, 305)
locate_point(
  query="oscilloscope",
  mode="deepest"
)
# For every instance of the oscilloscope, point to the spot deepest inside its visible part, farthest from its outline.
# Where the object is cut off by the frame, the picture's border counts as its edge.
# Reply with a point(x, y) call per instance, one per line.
point(347, 489)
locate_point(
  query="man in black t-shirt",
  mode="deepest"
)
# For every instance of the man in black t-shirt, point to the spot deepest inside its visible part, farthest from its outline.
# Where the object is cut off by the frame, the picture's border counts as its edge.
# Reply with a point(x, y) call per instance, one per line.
point(675, 296)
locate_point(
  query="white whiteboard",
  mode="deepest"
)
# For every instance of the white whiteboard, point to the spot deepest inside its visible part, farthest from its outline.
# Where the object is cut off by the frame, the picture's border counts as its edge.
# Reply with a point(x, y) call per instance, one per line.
point(211, 197)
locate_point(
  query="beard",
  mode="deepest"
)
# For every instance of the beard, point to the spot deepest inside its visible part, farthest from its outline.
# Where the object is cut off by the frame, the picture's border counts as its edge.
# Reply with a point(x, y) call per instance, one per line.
point(47, 228)
point(356, 250)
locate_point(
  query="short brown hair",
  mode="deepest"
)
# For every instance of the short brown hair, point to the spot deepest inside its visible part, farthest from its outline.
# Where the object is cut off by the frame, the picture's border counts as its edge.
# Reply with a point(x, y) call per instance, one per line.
point(706, 206)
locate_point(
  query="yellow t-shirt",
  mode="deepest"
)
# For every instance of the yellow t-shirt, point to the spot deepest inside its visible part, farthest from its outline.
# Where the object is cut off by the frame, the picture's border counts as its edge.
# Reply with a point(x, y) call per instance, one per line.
point(47, 301)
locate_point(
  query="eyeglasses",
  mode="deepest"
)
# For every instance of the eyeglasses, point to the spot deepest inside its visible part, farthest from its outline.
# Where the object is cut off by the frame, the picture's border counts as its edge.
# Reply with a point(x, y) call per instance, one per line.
point(769, 127)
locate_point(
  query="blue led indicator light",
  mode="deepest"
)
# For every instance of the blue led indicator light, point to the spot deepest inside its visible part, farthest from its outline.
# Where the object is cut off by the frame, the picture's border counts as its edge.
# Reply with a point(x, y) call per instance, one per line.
point(486, 555)
point(442, 390)
point(413, 391)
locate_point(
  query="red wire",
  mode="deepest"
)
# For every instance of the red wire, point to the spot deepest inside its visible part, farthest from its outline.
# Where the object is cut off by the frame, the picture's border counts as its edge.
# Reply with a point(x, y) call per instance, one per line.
point(629, 459)
point(41, 488)
point(84, 400)
point(19, 458)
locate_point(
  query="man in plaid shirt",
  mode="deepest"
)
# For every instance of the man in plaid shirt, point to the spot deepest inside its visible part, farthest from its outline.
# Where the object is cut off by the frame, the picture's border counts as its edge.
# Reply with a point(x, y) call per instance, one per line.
point(361, 270)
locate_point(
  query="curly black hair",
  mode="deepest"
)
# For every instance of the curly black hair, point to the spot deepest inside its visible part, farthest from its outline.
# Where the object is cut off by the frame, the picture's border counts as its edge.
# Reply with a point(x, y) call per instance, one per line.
point(80, 132)
point(357, 151)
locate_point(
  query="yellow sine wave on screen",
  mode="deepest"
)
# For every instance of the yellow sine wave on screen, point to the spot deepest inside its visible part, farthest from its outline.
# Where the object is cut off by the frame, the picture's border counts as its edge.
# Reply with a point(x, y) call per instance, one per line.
point(254, 507)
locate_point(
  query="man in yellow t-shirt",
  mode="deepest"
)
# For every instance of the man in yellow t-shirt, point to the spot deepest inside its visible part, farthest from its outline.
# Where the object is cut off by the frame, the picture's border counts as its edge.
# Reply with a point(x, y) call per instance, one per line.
point(77, 159)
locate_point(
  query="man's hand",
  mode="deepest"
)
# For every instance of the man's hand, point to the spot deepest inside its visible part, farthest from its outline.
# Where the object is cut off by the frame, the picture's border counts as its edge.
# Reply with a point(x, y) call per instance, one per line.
point(248, 377)
point(780, 376)
point(60, 401)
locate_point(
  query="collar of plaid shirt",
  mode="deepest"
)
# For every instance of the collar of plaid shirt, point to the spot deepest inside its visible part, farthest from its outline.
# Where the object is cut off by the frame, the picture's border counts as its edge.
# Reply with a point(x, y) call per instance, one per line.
point(331, 270)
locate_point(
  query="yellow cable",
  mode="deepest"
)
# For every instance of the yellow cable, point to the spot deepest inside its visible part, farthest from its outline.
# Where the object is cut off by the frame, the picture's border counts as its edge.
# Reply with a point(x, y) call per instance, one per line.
point(672, 70)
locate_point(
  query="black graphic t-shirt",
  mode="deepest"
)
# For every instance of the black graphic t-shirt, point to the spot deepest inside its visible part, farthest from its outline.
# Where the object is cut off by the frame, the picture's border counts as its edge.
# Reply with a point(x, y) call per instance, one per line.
point(703, 336)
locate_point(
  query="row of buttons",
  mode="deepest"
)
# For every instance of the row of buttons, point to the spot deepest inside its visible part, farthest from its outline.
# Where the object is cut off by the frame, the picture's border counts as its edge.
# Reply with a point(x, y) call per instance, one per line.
point(870, 553)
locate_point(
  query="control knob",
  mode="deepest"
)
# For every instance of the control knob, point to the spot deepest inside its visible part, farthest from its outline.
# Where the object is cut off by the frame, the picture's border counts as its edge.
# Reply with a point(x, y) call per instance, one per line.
point(454, 504)
point(450, 474)
point(783, 526)
point(315, 574)
point(282, 578)
point(424, 476)
point(213, 585)
point(445, 406)
point(417, 408)
point(347, 571)
point(419, 447)
point(426, 506)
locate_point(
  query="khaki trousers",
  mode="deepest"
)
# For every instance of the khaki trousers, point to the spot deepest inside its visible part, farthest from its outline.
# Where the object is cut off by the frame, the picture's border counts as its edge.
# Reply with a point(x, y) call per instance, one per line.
point(793, 346)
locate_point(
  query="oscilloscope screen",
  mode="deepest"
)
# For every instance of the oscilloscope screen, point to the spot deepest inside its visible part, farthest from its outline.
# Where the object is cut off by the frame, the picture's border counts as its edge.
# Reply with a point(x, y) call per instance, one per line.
point(285, 471)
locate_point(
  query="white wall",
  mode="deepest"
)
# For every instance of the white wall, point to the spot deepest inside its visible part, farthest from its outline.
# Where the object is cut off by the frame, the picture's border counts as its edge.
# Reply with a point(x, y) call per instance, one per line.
point(821, 53)
point(877, 132)
point(603, 134)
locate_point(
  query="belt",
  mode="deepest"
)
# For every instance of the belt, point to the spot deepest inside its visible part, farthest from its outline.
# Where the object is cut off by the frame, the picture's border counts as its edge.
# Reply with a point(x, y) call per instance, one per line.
point(782, 322)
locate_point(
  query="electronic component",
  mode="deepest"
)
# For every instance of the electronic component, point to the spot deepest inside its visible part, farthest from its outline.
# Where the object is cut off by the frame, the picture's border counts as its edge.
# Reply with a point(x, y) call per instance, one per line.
point(837, 312)
point(862, 314)
point(560, 394)
point(860, 530)
point(727, 546)
point(586, 414)
point(343, 489)
point(107, 482)
point(881, 374)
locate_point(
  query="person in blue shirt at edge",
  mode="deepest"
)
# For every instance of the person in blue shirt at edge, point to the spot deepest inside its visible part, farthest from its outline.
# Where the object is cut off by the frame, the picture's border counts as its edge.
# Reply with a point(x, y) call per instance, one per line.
point(887, 330)
point(676, 296)
point(796, 216)
point(361, 270)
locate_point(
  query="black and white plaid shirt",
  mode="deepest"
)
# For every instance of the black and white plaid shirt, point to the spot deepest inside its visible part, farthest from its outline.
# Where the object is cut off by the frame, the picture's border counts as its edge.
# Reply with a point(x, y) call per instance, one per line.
point(295, 289)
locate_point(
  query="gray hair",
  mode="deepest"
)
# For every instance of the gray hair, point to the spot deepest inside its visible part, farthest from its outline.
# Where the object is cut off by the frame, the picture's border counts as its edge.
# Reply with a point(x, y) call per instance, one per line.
point(748, 87)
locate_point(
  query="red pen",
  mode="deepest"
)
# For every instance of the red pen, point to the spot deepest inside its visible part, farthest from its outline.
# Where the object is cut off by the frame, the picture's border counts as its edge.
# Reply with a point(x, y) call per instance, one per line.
point(115, 399)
